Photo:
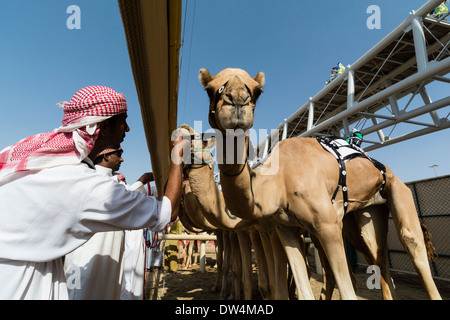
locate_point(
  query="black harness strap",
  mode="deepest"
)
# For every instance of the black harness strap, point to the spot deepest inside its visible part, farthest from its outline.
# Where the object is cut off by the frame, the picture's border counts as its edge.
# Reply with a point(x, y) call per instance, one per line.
point(342, 180)
point(342, 171)
point(218, 95)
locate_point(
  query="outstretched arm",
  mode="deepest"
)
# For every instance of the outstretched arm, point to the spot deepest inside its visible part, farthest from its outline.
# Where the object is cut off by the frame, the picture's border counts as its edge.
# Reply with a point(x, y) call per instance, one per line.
point(173, 187)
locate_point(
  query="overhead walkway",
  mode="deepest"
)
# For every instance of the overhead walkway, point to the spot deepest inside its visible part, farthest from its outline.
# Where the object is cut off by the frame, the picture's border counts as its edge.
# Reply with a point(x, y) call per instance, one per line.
point(366, 96)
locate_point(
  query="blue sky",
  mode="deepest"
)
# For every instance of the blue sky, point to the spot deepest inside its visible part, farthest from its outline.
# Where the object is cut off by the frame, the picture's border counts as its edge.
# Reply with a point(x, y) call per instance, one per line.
point(294, 42)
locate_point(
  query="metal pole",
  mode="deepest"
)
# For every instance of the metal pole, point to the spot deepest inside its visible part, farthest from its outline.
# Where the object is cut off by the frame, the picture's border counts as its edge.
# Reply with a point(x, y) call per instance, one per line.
point(285, 128)
point(310, 115)
point(419, 43)
point(202, 256)
point(426, 98)
point(379, 132)
point(393, 101)
point(350, 88)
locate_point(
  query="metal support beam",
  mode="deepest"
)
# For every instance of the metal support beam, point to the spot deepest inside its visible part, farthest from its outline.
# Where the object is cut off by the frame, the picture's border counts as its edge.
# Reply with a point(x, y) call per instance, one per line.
point(350, 88)
point(427, 100)
point(409, 115)
point(420, 46)
point(415, 79)
point(310, 115)
point(285, 129)
point(379, 132)
point(393, 101)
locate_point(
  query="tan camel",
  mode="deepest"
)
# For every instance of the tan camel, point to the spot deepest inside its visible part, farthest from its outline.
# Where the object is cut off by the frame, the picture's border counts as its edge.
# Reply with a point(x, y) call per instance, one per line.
point(306, 175)
point(200, 181)
point(224, 245)
point(264, 236)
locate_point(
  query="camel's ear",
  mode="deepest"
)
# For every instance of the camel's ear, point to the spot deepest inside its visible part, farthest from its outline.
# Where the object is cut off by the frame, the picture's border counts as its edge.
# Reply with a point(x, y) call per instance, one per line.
point(260, 78)
point(205, 77)
point(211, 143)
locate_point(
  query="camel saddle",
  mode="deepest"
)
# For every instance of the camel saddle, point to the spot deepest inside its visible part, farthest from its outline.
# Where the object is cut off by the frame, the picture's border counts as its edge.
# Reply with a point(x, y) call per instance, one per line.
point(344, 151)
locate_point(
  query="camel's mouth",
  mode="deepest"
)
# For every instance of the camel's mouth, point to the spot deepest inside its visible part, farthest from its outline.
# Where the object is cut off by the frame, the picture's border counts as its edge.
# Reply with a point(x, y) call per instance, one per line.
point(235, 116)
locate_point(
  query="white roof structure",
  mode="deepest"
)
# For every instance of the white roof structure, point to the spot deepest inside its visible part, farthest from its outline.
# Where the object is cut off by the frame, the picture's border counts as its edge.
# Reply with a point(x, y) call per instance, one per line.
point(367, 94)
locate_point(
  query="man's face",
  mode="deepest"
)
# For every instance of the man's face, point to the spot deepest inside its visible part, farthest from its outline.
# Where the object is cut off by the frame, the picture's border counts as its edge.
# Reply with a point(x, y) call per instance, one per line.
point(119, 129)
point(114, 160)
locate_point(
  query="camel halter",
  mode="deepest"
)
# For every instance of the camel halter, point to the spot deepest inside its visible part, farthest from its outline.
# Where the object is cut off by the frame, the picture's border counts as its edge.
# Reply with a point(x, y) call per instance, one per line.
point(218, 96)
point(197, 137)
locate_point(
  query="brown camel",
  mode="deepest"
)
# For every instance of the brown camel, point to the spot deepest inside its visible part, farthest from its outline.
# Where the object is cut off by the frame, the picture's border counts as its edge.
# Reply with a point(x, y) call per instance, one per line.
point(264, 235)
point(302, 180)
point(200, 177)
point(210, 199)
point(225, 245)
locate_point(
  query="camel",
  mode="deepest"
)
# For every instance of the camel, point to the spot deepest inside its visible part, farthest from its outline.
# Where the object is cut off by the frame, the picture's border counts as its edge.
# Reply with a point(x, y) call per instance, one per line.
point(212, 204)
point(204, 195)
point(264, 236)
point(189, 214)
point(300, 192)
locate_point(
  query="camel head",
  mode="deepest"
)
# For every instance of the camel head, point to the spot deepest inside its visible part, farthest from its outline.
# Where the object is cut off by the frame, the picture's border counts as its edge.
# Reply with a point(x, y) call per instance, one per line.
point(232, 94)
point(200, 150)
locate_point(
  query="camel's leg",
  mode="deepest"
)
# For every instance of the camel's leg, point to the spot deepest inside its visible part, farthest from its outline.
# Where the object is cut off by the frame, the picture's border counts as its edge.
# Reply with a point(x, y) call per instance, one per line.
point(328, 231)
point(245, 246)
point(280, 265)
point(329, 282)
point(261, 262)
point(367, 231)
point(219, 260)
point(403, 210)
point(236, 266)
point(269, 254)
point(190, 250)
point(290, 239)
point(226, 264)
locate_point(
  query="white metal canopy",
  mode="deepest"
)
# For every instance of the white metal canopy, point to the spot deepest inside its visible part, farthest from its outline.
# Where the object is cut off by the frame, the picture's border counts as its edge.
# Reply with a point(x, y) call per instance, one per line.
point(405, 62)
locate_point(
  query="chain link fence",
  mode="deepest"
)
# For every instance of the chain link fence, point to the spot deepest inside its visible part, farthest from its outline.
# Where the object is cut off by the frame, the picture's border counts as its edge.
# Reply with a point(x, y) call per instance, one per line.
point(432, 200)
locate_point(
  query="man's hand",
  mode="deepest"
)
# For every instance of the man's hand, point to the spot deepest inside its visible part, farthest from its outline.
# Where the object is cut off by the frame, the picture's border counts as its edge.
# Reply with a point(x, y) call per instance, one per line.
point(173, 187)
point(146, 177)
point(180, 146)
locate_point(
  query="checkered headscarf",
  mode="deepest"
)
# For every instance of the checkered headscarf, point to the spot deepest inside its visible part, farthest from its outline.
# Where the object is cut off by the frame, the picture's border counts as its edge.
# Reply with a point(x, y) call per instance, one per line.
point(68, 144)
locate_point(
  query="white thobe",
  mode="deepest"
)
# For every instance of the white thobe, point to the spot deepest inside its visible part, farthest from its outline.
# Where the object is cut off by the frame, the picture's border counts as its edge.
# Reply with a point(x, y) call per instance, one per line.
point(47, 214)
point(133, 257)
point(94, 271)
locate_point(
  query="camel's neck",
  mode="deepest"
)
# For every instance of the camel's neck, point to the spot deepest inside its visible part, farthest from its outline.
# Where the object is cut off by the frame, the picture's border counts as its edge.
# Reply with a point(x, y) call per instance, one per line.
point(236, 179)
point(210, 198)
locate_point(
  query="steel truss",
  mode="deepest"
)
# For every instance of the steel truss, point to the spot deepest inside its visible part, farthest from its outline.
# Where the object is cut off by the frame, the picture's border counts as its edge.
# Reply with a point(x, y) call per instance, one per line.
point(367, 95)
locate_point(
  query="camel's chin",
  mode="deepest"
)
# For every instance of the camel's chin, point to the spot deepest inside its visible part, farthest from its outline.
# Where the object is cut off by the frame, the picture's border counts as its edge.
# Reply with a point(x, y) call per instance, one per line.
point(235, 125)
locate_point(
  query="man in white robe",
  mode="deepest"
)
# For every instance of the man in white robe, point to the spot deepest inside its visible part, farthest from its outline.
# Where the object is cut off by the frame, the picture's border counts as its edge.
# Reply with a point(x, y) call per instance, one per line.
point(66, 200)
point(134, 248)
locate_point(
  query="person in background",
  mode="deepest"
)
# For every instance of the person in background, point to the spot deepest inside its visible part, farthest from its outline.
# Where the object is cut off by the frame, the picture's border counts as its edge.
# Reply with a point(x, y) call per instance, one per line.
point(355, 138)
point(105, 262)
point(441, 10)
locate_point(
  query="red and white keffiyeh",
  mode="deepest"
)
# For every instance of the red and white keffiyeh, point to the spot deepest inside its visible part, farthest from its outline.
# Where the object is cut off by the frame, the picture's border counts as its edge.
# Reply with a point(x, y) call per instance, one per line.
point(69, 144)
